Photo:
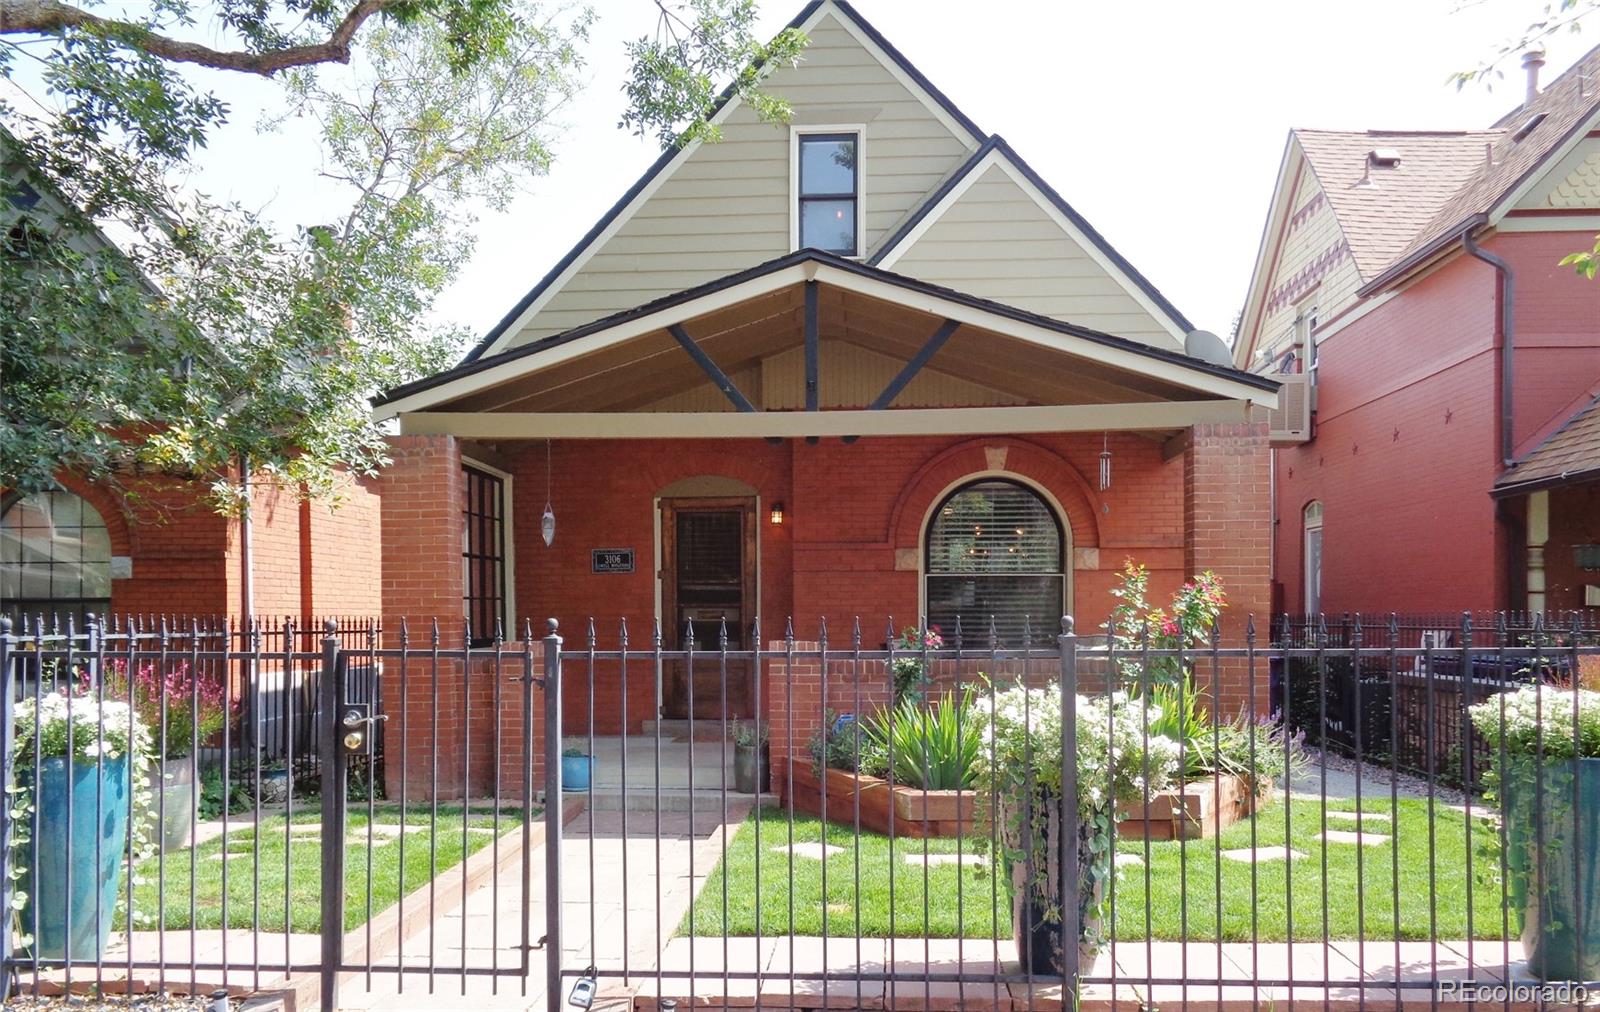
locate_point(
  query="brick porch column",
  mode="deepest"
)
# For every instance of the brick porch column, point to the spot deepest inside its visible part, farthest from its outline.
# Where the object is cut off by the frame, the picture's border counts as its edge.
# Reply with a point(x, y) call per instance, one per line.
point(454, 704)
point(1227, 519)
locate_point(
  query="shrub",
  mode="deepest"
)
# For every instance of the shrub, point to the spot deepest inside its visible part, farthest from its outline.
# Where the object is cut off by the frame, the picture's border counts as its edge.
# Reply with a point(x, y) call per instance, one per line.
point(931, 747)
point(194, 708)
point(841, 744)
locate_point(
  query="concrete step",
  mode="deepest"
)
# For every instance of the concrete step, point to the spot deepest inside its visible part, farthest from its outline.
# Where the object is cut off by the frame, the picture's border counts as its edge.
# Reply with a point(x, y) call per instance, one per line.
point(672, 728)
point(671, 799)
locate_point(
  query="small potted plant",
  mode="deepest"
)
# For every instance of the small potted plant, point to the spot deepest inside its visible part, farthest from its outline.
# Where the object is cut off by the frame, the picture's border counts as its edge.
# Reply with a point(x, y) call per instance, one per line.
point(1544, 747)
point(752, 773)
point(182, 712)
point(577, 769)
point(73, 757)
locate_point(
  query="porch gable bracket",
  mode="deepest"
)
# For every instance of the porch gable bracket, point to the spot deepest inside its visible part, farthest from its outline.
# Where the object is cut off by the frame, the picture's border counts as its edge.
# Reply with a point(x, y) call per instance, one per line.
point(719, 378)
point(920, 359)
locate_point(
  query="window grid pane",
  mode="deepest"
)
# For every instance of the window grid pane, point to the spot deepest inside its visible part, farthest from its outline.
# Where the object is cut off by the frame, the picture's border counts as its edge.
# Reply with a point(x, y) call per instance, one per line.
point(483, 554)
point(55, 559)
point(827, 178)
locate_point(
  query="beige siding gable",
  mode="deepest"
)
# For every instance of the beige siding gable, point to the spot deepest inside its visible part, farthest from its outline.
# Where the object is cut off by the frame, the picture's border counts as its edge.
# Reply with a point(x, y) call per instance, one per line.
point(1574, 182)
point(720, 208)
point(1312, 267)
point(997, 237)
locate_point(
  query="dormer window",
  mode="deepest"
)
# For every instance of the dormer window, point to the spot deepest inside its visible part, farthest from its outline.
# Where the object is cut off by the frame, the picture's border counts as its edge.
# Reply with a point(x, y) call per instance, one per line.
point(827, 178)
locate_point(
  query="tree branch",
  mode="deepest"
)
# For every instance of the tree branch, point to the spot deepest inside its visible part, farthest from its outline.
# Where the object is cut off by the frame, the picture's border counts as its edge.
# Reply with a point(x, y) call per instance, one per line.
point(49, 17)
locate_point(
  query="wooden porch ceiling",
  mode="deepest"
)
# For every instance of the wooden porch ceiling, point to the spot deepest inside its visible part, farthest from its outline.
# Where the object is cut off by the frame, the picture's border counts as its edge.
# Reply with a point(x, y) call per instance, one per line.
point(641, 373)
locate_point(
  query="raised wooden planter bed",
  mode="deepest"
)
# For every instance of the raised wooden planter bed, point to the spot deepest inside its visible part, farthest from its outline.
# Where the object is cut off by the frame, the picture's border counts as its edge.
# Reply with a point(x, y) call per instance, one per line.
point(1199, 810)
point(913, 811)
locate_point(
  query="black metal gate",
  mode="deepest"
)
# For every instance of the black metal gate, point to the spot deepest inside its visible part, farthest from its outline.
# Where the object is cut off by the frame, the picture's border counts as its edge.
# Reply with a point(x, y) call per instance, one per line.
point(348, 794)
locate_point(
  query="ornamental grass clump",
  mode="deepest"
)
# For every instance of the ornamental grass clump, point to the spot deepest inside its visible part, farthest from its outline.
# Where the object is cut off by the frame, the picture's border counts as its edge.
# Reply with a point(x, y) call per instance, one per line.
point(1119, 759)
point(933, 747)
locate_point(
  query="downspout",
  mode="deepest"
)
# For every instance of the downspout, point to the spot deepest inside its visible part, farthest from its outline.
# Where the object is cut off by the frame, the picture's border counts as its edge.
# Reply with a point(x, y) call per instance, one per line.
point(1507, 342)
point(247, 598)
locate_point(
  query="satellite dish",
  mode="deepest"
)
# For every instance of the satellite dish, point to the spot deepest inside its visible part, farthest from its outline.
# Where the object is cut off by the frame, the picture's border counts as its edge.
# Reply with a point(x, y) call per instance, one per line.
point(1207, 347)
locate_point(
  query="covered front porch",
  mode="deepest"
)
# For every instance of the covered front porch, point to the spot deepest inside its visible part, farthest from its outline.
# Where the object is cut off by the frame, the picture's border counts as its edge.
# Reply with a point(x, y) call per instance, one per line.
point(810, 444)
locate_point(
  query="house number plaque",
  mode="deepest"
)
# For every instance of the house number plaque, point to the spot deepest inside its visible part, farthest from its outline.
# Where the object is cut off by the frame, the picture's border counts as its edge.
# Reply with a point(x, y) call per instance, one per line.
point(611, 560)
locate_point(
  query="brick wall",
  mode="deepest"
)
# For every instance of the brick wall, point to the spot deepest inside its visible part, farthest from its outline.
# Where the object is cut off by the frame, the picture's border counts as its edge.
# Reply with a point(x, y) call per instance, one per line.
point(1574, 520)
point(850, 545)
point(1404, 455)
point(1227, 509)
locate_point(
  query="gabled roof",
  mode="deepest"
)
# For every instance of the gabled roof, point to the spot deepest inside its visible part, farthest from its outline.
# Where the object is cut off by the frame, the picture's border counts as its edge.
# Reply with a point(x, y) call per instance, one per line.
point(756, 281)
point(1570, 106)
point(1571, 453)
point(676, 153)
point(1381, 219)
point(996, 148)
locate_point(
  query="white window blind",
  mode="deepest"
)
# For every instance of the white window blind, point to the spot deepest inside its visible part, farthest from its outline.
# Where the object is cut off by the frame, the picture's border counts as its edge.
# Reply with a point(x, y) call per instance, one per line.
point(995, 554)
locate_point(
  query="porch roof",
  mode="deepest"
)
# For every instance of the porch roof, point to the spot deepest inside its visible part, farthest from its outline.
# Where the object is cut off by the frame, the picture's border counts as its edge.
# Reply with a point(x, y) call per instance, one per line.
point(744, 355)
point(1571, 454)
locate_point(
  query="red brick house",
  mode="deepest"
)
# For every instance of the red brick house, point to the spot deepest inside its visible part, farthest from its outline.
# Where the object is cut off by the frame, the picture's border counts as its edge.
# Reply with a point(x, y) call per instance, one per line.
point(152, 546)
point(1438, 444)
point(863, 364)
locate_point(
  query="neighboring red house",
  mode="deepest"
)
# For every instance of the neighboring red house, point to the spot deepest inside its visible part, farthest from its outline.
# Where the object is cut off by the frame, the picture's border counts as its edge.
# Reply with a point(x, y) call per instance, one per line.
point(153, 547)
point(1438, 443)
point(863, 364)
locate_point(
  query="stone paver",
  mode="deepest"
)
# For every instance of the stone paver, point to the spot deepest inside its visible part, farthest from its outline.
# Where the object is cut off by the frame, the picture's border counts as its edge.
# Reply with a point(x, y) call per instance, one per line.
point(1255, 855)
point(814, 851)
point(1346, 836)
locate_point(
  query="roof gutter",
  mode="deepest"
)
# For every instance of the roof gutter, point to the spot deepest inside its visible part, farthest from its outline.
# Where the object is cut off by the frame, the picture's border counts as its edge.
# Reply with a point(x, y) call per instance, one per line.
point(1572, 477)
point(1507, 340)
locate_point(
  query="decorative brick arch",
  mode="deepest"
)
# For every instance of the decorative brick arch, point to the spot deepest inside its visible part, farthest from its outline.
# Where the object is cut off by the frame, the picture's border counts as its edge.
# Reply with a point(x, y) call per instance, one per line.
point(106, 503)
point(1000, 457)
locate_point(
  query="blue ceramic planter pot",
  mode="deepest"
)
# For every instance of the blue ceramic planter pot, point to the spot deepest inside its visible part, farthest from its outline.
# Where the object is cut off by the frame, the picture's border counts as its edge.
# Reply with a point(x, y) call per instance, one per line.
point(576, 770)
point(1553, 856)
point(74, 887)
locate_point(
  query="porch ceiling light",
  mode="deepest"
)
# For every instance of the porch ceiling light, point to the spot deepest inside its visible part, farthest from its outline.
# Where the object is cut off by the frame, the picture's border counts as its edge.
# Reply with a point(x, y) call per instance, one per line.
point(775, 516)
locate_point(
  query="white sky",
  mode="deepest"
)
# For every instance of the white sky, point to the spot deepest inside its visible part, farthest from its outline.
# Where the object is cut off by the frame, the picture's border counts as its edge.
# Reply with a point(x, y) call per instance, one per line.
point(1161, 121)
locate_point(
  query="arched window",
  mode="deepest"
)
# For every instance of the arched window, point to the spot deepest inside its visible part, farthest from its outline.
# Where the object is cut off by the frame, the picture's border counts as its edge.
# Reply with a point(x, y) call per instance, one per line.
point(1311, 523)
point(996, 550)
point(55, 558)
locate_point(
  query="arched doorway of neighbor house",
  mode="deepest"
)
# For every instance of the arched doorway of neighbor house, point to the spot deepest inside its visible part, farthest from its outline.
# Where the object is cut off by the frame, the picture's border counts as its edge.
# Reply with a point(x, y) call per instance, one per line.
point(708, 555)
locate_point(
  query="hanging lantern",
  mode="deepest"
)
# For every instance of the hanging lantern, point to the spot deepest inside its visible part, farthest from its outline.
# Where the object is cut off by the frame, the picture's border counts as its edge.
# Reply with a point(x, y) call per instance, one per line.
point(1105, 463)
point(547, 523)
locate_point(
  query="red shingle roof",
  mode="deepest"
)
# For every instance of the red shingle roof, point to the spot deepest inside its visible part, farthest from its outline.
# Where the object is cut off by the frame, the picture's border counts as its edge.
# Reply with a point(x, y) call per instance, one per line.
point(1445, 180)
point(1572, 450)
point(1382, 219)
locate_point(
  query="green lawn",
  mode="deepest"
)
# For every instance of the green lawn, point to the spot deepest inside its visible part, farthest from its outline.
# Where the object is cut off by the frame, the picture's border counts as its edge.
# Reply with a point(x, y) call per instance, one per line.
point(964, 902)
point(167, 886)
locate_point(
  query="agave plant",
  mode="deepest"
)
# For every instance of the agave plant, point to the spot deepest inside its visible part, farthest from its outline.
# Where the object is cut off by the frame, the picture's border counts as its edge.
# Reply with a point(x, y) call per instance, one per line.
point(932, 747)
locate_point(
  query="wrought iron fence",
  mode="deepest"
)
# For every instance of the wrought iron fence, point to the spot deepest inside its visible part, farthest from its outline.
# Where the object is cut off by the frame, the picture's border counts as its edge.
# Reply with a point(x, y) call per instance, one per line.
point(828, 821)
point(1212, 854)
point(1425, 706)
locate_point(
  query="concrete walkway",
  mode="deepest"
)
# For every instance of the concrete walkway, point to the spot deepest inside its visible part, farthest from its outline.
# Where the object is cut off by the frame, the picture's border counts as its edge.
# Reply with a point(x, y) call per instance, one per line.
point(617, 930)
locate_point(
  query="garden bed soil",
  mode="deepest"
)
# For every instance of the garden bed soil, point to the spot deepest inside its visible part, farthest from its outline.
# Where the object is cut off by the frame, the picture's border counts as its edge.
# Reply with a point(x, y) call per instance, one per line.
point(1199, 810)
point(912, 811)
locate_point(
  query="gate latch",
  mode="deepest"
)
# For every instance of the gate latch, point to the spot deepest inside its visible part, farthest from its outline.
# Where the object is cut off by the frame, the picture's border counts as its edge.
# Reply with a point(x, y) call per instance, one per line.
point(356, 720)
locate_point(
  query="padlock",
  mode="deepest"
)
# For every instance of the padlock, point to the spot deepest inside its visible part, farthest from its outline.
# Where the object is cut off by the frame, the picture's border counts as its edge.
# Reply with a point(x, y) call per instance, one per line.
point(583, 991)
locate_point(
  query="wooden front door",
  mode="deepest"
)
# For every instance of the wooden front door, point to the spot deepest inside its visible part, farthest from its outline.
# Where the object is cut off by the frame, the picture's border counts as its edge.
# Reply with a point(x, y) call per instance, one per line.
point(708, 577)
